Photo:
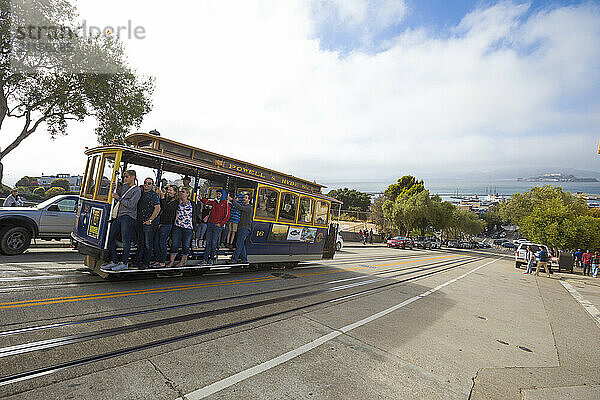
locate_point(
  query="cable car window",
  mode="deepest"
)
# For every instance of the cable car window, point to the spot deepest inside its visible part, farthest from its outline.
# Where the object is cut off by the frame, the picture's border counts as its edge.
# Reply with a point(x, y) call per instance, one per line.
point(106, 173)
point(90, 185)
point(322, 213)
point(307, 210)
point(266, 204)
point(287, 207)
point(243, 191)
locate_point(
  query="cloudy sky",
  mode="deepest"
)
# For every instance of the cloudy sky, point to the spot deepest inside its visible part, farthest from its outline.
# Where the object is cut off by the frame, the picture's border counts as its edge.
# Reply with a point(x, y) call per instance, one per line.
point(338, 90)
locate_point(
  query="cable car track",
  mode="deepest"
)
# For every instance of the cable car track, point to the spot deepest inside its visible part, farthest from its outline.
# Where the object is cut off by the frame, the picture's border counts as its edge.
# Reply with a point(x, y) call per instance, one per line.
point(14, 378)
point(146, 277)
point(192, 304)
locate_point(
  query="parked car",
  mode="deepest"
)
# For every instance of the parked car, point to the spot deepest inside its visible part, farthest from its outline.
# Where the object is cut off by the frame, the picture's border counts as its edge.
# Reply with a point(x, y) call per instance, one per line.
point(485, 245)
point(434, 243)
point(498, 242)
point(400, 242)
point(422, 243)
point(52, 219)
point(521, 253)
point(508, 245)
point(454, 243)
point(339, 242)
point(466, 245)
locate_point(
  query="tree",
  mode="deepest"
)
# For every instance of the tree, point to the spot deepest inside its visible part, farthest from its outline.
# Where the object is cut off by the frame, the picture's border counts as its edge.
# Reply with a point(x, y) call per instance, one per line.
point(353, 199)
point(50, 88)
point(26, 181)
point(522, 205)
point(62, 183)
point(54, 191)
point(377, 214)
point(405, 186)
point(492, 216)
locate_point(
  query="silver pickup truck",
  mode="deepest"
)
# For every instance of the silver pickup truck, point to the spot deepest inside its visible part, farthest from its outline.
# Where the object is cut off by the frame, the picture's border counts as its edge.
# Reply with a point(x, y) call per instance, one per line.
point(52, 219)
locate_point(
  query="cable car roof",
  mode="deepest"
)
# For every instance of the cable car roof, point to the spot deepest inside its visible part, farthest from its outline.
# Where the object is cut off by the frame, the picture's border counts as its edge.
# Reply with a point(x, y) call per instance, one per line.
point(145, 147)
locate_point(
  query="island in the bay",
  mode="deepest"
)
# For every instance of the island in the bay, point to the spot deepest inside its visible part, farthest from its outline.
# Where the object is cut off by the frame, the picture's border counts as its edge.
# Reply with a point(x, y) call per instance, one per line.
point(556, 178)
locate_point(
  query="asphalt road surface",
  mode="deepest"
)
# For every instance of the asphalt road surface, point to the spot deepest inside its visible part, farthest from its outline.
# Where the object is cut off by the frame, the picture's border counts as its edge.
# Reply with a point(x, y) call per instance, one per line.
point(372, 323)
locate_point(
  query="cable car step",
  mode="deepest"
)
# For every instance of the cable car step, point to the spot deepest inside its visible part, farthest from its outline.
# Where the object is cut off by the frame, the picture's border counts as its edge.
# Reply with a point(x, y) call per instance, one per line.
point(224, 265)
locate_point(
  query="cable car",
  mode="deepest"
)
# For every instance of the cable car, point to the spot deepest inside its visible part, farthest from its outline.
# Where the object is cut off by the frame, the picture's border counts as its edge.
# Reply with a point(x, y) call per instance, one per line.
point(291, 217)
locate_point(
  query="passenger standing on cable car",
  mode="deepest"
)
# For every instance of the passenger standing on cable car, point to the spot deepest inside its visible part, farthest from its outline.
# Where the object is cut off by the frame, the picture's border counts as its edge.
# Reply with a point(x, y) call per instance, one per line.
point(243, 229)
point(147, 222)
point(127, 198)
point(183, 228)
point(218, 217)
point(168, 206)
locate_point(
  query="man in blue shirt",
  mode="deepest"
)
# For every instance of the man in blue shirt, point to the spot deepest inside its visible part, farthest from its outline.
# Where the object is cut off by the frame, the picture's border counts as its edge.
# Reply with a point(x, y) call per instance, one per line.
point(147, 211)
point(577, 256)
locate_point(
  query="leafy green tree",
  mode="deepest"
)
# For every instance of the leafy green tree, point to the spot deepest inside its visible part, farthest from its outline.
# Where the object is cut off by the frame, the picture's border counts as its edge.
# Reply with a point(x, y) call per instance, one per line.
point(441, 213)
point(492, 216)
point(62, 183)
point(377, 214)
point(405, 186)
point(522, 205)
point(54, 191)
point(26, 181)
point(463, 222)
point(353, 199)
point(53, 88)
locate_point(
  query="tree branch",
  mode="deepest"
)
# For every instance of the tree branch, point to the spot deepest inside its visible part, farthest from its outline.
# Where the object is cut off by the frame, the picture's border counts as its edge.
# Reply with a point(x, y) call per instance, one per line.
point(25, 132)
point(3, 104)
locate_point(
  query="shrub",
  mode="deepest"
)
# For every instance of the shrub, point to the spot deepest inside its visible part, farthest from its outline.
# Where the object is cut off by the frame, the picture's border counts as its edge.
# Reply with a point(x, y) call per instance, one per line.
point(40, 191)
point(54, 191)
point(61, 183)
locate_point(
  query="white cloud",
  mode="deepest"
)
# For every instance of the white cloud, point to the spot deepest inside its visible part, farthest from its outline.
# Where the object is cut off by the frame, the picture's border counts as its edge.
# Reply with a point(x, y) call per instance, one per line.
point(250, 79)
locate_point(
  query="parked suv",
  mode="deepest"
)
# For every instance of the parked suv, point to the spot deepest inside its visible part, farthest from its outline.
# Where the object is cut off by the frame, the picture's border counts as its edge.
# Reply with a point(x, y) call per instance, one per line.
point(52, 219)
point(521, 253)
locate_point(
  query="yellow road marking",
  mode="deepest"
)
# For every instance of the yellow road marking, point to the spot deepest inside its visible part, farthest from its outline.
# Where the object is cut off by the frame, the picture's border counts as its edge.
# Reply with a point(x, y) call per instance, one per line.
point(166, 289)
point(422, 259)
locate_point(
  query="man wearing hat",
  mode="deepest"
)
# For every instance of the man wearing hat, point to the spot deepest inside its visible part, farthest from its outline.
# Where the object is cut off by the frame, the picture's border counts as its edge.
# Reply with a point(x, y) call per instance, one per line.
point(13, 199)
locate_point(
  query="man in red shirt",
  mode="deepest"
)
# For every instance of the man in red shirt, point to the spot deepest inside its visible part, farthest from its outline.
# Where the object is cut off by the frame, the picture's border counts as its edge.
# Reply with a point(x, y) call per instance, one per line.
point(218, 217)
point(586, 259)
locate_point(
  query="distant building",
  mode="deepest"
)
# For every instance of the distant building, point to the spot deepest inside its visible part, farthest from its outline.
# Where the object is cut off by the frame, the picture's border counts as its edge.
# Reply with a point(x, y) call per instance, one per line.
point(74, 181)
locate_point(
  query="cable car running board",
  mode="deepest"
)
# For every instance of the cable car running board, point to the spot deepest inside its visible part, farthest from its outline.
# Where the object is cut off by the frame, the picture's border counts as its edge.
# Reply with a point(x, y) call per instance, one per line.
point(173, 269)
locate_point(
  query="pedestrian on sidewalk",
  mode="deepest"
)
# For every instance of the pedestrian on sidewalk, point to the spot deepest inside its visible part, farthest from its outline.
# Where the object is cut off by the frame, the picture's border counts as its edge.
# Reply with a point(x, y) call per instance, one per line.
point(577, 255)
point(543, 262)
point(530, 258)
point(595, 260)
point(360, 235)
point(371, 236)
point(586, 259)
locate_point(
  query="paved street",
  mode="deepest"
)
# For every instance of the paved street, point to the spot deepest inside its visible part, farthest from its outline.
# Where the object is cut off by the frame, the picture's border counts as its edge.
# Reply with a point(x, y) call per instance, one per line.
point(372, 323)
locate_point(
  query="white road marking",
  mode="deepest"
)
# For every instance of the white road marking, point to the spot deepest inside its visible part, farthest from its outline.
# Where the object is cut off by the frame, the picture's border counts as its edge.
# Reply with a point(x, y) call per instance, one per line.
point(589, 307)
point(33, 278)
point(350, 285)
point(347, 279)
point(265, 366)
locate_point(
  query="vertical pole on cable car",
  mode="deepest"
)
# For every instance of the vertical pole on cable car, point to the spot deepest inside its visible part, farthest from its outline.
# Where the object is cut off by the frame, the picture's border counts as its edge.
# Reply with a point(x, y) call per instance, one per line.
point(195, 196)
point(161, 165)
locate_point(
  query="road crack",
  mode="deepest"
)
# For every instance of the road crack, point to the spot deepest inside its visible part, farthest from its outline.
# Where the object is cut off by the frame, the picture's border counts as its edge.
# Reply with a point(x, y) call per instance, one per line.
point(168, 380)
